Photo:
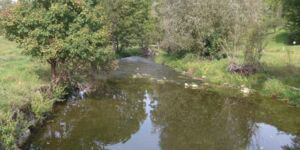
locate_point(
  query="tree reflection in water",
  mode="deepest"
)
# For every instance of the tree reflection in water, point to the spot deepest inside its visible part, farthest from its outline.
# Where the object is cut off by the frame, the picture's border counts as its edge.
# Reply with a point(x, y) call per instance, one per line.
point(124, 113)
point(94, 124)
point(295, 145)
point(202, 120)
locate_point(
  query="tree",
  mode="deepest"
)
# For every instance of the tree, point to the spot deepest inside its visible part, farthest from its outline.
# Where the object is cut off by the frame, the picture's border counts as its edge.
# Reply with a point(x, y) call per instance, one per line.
point(193, 26)
point(4, 4)
point(131, 22)
point(275, 14)
point(211, 28)
point(291, 11)
point(247, 27)
point(70, 35)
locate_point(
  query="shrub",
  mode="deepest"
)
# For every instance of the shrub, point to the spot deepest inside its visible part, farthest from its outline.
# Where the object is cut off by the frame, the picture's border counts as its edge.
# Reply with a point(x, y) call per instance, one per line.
point(274, 88)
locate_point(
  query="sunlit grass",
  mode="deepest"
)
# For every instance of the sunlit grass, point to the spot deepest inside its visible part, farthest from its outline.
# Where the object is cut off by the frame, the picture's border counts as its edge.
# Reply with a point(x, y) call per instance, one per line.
point(19, 83)
point(279, 76)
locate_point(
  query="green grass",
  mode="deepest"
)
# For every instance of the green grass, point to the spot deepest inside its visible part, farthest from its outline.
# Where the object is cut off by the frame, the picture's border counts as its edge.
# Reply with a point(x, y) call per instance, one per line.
point(279, 77)
point(20, 79)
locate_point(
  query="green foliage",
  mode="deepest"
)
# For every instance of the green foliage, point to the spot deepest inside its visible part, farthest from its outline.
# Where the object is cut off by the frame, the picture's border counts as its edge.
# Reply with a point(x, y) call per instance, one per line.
point(274, 14)
point(274, 88)
point(212, 28)
point(292, 13)
point(63, 33)
point(59, 92)
point(255, 44)
point(131, 22)
point(4, 4)
point(20, 80)
point(135, 51)
point(7, 130)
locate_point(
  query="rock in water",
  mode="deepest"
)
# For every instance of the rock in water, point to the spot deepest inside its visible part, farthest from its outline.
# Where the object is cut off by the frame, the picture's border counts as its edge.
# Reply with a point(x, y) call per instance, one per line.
point(57, 134)
point(186, 85)
point(23, 138)
point(194, 86)
point(245, 90)
point(62, 124)
point(82, 93)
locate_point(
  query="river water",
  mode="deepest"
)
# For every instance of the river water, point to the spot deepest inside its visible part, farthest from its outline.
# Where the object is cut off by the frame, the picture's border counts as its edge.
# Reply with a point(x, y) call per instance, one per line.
point(157, 112)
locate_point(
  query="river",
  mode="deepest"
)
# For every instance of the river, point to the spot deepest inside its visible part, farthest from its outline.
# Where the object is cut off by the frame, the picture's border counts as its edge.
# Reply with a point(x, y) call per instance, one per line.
point(146, 106)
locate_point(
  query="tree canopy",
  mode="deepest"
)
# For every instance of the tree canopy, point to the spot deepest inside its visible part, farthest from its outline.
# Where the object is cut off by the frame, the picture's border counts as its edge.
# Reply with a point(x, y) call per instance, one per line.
point(292, 13)
point(212, 28)
point(69, 35)
point(131, 22)
point(4, 4)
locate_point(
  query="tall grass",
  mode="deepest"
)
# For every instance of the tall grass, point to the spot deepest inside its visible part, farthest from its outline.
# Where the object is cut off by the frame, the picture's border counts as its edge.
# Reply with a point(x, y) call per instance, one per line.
point(20, 79)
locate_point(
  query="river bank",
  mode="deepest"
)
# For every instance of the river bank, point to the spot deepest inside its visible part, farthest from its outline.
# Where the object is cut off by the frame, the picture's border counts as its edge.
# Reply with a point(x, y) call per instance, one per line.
point(144, 105)
point(278, 77)
point(22, 105)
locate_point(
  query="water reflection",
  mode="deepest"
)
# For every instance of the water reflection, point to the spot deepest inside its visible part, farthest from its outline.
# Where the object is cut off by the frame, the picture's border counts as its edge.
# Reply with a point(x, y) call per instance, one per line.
point(294, 146)
point(269, 137)
point(94, 124)
point(204, 120)
point(147, 138)
point(139, 114)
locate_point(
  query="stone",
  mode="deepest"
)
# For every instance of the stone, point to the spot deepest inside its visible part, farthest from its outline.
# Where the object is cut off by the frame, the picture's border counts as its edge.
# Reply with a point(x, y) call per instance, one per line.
point(194, 86)
point(23, 137)
point(245, 90)
point(57, 135)
point(62, 124)
point(186, 85)
point(1, 145)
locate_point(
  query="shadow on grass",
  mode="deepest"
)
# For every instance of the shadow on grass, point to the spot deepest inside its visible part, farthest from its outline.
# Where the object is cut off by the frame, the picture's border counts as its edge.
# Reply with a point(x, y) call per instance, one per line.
point(287, 38)
point(288, 74)
point(282, 82)
point(282, 38)
point(44, 74)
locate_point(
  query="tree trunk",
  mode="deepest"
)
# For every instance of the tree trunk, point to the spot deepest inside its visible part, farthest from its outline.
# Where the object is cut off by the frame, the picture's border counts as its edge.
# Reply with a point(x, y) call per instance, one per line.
point(53, 64)
point(115, 45)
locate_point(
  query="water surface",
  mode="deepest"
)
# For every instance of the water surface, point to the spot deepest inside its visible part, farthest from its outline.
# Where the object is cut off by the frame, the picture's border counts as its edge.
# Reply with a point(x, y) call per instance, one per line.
point(159, 113)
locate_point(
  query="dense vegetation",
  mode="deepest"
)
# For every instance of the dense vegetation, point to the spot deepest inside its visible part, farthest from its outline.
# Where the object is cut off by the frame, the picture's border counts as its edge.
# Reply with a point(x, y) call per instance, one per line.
point(292, 13)
point(72, 37)
point(214, 29)
point(67, 35)
point(237, 42)
point(20, 79)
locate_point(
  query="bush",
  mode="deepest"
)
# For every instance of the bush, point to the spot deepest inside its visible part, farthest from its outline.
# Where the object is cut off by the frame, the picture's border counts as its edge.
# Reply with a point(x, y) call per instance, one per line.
point(274, 88)
point(294, 96)
point(7, 128)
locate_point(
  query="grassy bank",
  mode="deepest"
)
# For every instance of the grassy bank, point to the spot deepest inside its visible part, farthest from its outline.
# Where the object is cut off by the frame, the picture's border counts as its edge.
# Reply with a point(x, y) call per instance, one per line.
point(20, 79)
point(279, 77)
